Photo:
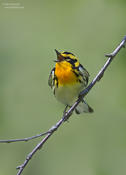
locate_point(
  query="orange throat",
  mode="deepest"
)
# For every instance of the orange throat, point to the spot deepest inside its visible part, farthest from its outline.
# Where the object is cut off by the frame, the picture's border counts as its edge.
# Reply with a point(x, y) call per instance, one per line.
point(64, 73)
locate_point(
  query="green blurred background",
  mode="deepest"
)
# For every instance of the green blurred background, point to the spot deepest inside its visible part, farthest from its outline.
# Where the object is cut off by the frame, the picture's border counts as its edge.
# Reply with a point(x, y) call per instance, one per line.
point(29, 32)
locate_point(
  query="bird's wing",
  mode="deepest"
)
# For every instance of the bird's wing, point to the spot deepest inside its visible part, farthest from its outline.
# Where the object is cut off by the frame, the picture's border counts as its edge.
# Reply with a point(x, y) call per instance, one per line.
point(84, 74)
point(51, 78)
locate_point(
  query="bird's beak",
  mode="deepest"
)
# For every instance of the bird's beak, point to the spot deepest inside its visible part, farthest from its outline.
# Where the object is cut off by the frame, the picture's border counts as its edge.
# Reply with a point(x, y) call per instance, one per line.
point(59, 56)
point(57, 52)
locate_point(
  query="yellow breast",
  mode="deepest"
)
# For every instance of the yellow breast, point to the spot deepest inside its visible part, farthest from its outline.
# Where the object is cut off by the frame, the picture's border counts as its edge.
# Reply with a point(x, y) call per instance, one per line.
point(64, 73)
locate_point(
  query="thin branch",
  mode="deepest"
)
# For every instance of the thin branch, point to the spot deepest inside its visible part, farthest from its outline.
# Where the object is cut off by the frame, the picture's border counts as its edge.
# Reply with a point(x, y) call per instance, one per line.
point(66, 116)
point(24, 139)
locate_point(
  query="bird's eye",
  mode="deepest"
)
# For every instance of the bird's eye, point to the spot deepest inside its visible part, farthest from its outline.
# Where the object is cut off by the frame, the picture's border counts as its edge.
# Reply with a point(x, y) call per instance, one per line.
point(67, 59)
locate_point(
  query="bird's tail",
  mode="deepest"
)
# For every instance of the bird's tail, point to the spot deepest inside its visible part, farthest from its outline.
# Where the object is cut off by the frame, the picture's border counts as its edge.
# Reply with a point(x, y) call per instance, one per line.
point(83, 107)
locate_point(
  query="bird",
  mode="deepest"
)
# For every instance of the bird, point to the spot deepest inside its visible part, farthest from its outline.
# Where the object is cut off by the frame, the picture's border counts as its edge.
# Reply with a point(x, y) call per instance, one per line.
point(67, 79)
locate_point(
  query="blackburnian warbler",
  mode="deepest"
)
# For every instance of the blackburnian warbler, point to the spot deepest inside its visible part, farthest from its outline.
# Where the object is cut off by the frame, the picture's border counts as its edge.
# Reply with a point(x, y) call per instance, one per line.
point(67, 79)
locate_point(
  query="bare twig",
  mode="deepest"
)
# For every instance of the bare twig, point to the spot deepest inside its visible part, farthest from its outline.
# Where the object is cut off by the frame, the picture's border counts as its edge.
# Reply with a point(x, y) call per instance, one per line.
point(24, 139)
point(70, 111)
